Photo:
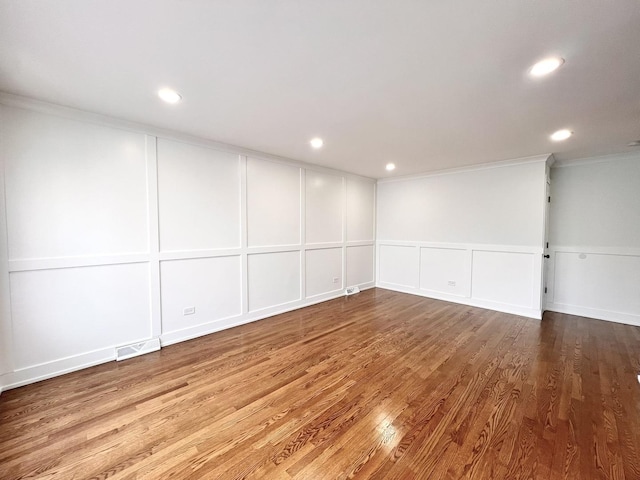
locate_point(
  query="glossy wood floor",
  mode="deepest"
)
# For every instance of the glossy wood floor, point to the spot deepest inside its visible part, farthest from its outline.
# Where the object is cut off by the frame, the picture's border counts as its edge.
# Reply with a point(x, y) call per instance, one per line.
point(377, 385)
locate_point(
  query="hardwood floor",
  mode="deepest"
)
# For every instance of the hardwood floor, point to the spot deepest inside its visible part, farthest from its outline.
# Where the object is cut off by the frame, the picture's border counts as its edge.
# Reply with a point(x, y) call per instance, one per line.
point(379, 385)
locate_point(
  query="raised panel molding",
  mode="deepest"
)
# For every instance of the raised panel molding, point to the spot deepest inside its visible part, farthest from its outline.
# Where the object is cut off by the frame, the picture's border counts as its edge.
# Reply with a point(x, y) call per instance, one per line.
point(360, 265)
point(324, 207)
point(503, 277)
point(323, 271)
point(360, 210)
point(198, 196)
point(79, 194)
point(445, 271)
point(273, 204)
point(274, 279)
point(429, 269)
point(274, 259)
point(601, 283)
point(399, 265)
point(46, 305)
point(211, 286)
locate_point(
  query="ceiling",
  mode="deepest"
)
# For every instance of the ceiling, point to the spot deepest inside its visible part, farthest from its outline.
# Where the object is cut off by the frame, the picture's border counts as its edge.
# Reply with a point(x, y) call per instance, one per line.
point(428, 85)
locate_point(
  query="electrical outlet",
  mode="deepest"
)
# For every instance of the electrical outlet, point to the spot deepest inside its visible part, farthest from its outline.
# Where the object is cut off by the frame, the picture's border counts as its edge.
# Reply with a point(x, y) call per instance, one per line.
point(451, 283)
point(189, 310)
point(335, 279)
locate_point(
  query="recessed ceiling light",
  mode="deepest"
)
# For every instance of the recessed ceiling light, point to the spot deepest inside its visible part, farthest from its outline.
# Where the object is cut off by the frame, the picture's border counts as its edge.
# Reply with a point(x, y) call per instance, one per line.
point(390, 166)
point(561, 135)
point(169, 96)
point(317, 143)
point(546, 66)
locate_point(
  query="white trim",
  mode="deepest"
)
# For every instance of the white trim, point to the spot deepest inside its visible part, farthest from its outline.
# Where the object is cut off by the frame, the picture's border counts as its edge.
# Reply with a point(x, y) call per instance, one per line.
point(30, 264)
point(6, 326)
point(302, 216)
point(194, 254)
point(244, 238)
point(230, 322)
point(472, 302)
point(153, 225)
point(595, 313)
point(343, 231)
point(328, 246)
point(470, 168)
point(375, 233)
point(551, 161)
point(44, 371)
point(578, 162)
point(360, 243)
point(478, 247)
point(274, 249)
point(154, 256)
point(36, 373)
point(321, 297)
point(323, 245)
point(17, 101)
point(590, 312)
point(468, 298)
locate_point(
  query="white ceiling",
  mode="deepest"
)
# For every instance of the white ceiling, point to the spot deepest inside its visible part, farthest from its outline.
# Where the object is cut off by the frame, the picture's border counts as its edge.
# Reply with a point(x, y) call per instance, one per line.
point(428, 85)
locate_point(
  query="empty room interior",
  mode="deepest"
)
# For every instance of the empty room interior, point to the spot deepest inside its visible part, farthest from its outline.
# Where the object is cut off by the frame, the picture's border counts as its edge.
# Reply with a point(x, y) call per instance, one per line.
point(319, 240)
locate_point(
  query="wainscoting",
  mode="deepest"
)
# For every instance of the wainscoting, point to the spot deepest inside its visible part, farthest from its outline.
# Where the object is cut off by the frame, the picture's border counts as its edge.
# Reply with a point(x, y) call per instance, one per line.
point(595, 282)
point(502, 278)
point(117, 236)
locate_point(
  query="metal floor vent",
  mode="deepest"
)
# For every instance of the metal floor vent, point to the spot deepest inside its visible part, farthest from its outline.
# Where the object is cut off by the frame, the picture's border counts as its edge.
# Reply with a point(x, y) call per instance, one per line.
point(352, 290)
point(135, 349)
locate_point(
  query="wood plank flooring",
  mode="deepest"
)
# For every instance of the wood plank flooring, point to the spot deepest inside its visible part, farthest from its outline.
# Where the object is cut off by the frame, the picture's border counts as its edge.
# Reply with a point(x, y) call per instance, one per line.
point(379, 385)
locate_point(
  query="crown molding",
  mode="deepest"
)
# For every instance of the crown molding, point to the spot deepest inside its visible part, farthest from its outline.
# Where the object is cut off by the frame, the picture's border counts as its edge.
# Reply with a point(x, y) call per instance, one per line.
point(544, 158)
point(577, 162)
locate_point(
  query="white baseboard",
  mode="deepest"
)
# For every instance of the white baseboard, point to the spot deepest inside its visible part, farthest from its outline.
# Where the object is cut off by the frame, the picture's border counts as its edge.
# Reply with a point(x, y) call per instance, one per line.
point(44, 371)
point(214, 326)
point(595, 313)
point(498, 307)
point(36, 373)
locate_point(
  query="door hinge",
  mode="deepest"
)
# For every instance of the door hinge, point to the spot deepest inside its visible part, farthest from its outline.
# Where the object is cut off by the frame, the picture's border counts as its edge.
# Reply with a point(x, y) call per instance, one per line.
point(547, 244)
point(545, 289)
point(549, 199)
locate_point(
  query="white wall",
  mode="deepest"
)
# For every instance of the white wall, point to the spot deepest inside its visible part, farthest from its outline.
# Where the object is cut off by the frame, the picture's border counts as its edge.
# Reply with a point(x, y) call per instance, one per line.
point(491, 206)
point(472, 236)
point(6, 344)
point(595, 238)
point(113, 231)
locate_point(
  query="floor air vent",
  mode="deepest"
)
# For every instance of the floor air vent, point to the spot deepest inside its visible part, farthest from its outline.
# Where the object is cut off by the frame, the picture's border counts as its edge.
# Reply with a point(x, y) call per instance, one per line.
point(352, 290)
point(135, 349)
